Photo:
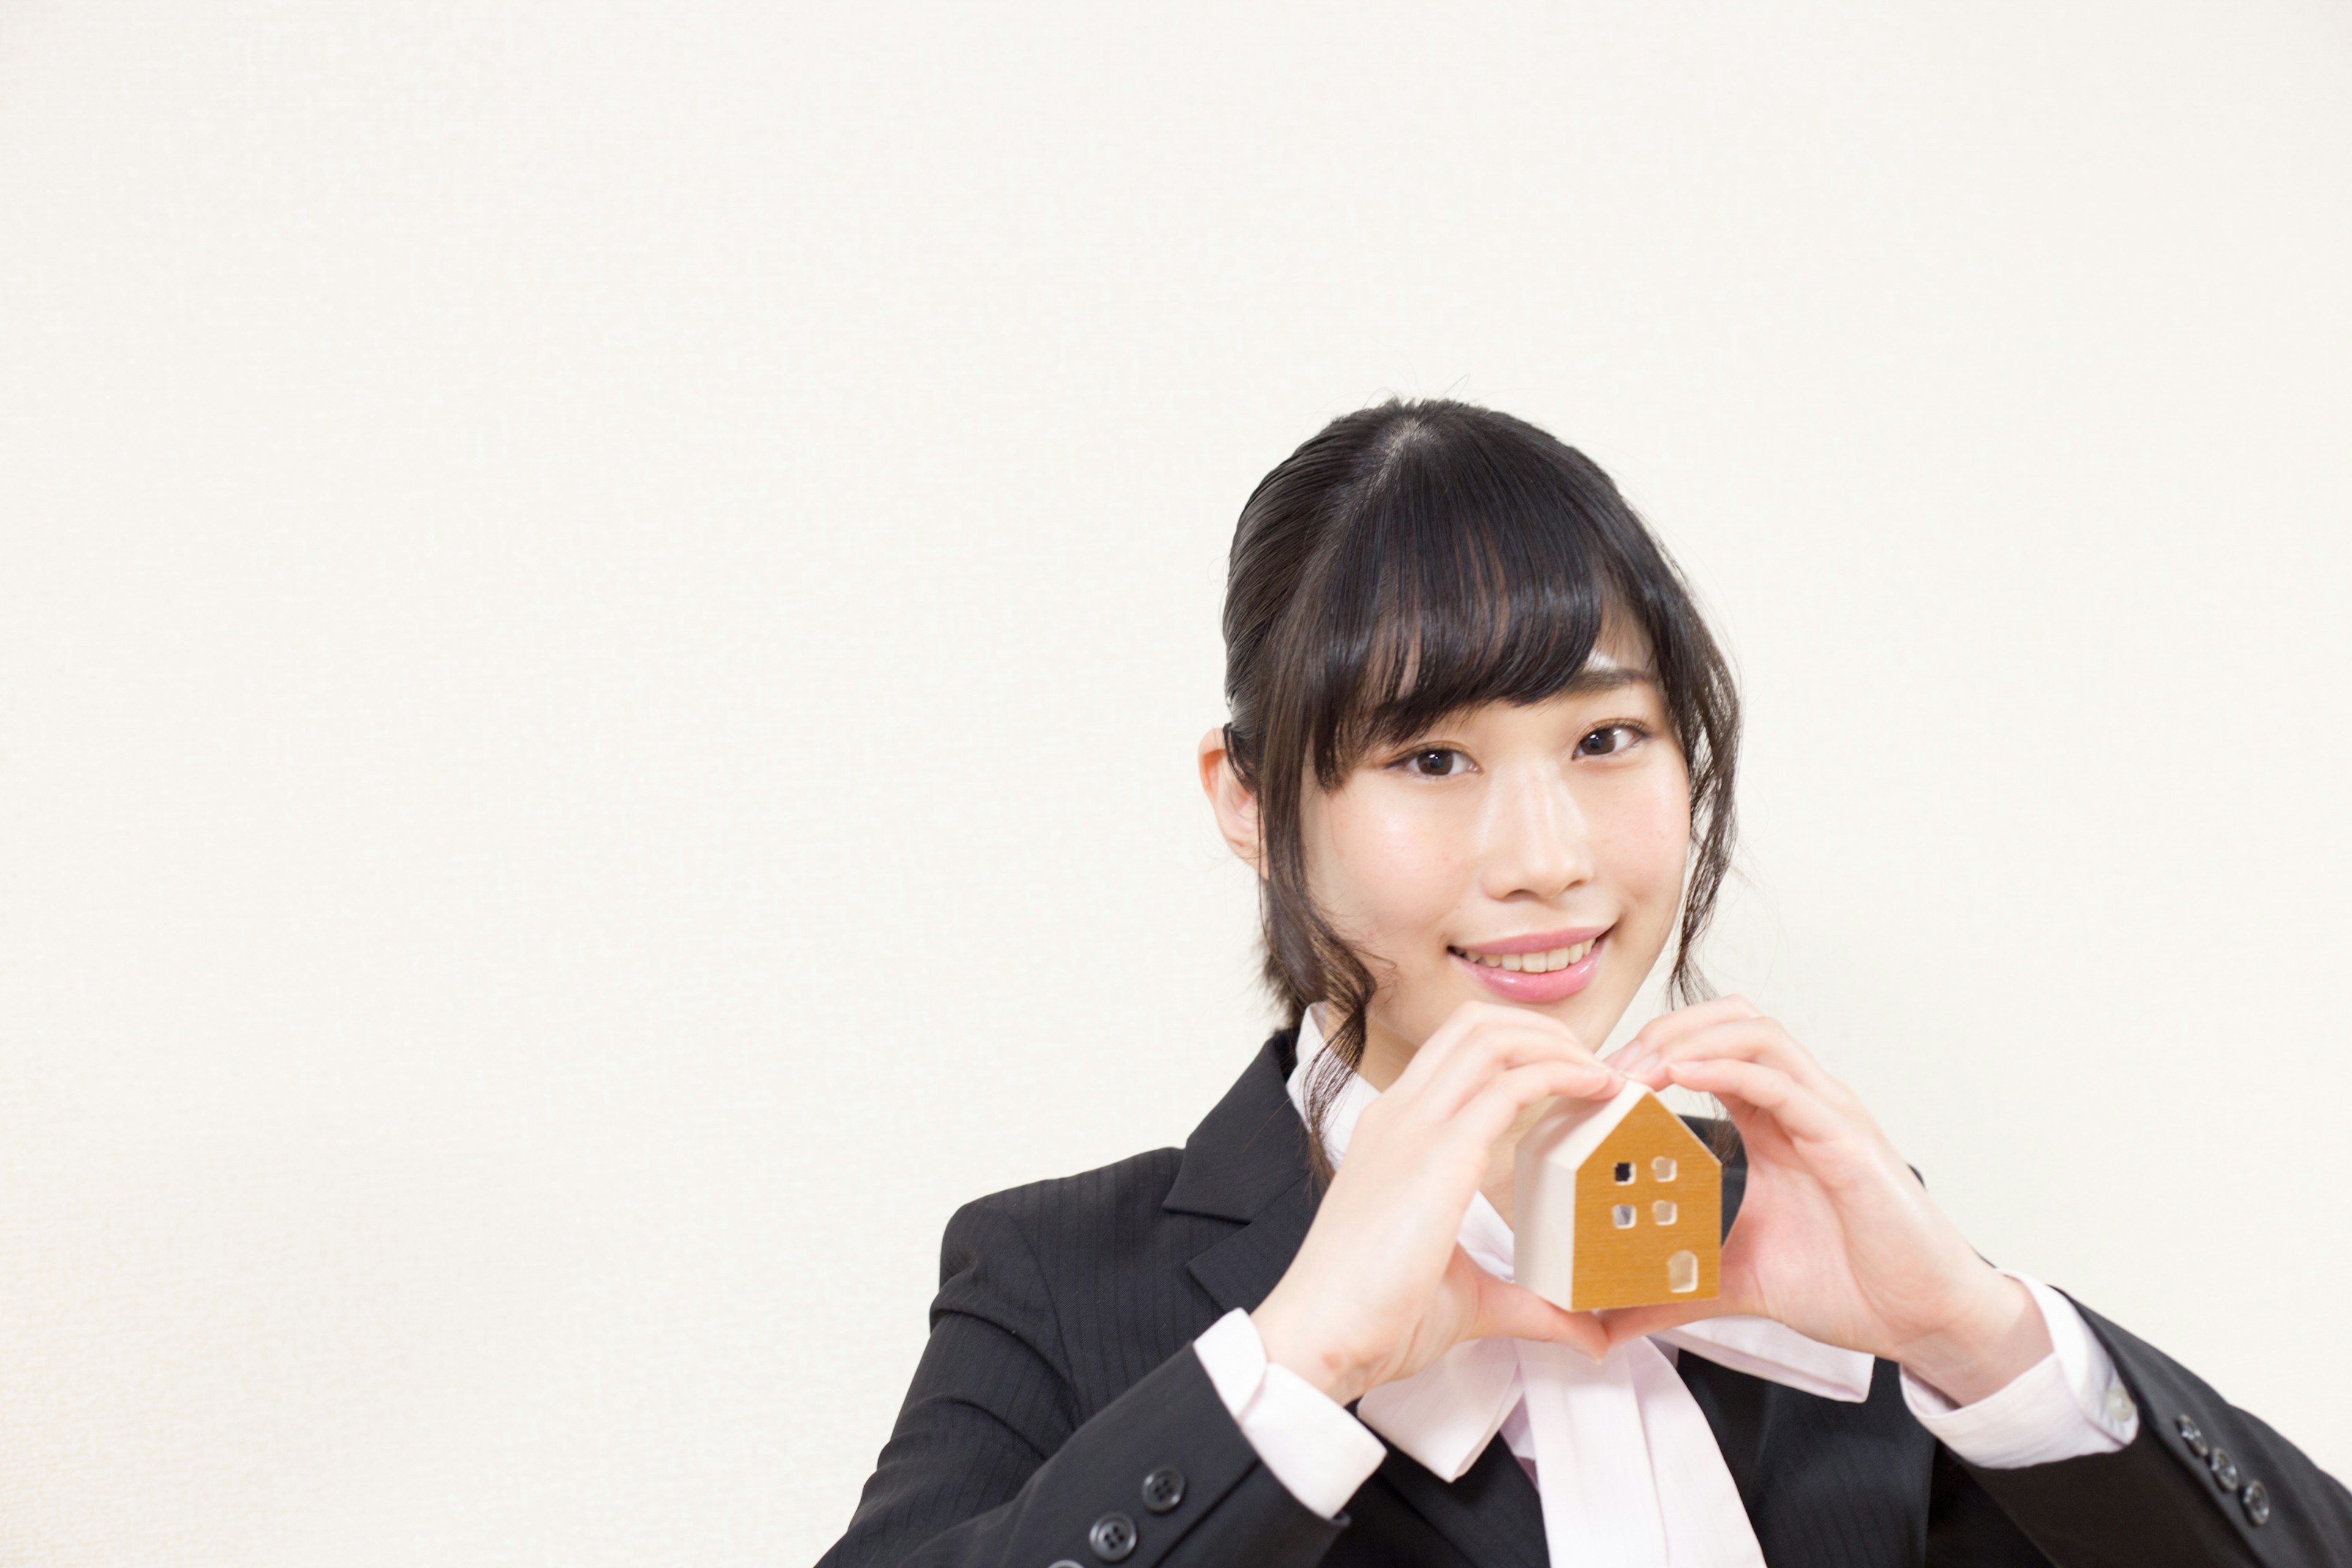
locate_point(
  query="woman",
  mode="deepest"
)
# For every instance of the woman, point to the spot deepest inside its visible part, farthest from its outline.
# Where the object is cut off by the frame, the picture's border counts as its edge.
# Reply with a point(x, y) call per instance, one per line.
point(1481, 757)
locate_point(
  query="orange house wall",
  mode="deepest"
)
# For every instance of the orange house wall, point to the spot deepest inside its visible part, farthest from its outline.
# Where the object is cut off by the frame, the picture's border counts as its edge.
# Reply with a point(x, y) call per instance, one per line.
point(1628, 1267)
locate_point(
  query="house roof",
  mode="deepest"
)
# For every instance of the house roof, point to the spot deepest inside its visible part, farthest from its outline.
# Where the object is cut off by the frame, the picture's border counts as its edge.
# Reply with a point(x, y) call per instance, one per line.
point(1569, 1134)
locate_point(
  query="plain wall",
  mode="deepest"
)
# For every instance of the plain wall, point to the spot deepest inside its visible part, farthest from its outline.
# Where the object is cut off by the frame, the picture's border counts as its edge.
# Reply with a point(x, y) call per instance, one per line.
point(605, 611)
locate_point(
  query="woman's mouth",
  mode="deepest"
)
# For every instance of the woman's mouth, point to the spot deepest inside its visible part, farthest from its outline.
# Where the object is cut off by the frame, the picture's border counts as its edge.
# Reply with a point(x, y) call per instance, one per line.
point(1529, 972)
point(1530, 963)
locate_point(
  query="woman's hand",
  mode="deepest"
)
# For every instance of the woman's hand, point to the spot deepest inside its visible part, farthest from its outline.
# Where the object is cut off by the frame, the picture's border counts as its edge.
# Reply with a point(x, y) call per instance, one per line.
point(1835, 1237)
point(1380, 1287)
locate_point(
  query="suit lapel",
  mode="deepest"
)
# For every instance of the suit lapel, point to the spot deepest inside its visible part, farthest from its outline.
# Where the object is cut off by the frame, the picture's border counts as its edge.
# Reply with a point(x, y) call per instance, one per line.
point(1250, 1148)
point(1248, 1162)
point(1242, 1270)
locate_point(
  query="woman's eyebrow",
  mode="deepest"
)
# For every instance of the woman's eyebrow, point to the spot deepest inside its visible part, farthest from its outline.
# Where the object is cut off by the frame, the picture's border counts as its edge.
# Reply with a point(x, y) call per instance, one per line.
point(1604, 676)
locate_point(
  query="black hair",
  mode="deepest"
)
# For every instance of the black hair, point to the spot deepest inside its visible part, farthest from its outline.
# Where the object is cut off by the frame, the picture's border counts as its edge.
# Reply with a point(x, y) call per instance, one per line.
point(1412, 560)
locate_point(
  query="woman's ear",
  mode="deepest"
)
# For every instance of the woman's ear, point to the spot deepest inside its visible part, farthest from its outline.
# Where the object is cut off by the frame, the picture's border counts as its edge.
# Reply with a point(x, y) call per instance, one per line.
point(1236, 805)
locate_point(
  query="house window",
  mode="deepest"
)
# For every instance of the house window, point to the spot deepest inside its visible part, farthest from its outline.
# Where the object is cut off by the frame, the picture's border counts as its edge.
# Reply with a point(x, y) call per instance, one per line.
point(1663, 1212)
point(1662, 1168)
point(1623, 1214)
point(1682, 1273)
point(1624, 1172)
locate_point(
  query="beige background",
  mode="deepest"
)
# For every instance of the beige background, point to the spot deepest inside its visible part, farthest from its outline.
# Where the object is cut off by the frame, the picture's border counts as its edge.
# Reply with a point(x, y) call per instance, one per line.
point(605, 610)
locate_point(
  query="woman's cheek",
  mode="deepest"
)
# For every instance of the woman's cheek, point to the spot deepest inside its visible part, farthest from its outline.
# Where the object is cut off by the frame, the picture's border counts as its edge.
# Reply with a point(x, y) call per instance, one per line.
point(1651, 841)
point(1406, 874)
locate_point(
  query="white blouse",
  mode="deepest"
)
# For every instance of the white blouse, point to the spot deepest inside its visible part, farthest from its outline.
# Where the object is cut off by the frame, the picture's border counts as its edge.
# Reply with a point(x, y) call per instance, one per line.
point(1622, 1458)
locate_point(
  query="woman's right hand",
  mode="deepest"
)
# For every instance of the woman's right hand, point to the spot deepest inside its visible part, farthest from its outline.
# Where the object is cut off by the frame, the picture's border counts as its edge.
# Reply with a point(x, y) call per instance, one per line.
point(1380, 1287)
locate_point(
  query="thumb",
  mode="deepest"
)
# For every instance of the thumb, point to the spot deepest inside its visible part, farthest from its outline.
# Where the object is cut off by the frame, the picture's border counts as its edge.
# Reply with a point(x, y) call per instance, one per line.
point(1618, 1324)
point(1513, 1311)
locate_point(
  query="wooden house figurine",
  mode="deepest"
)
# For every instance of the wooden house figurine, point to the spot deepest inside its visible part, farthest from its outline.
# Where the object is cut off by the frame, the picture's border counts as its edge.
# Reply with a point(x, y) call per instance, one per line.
point(1616, 1204)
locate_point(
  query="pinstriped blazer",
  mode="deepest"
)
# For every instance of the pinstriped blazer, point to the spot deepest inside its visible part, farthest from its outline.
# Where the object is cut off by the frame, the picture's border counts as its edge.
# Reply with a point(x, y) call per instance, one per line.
point(1058, 1409)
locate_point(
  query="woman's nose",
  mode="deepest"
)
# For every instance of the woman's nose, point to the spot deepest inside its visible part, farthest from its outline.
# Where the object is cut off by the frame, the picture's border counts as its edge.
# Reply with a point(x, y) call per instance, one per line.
point(1538, 842)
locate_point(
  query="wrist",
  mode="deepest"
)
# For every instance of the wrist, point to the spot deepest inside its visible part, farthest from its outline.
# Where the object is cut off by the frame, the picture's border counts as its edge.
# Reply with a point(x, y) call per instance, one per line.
point(1999, 1336)
point(1291, 1343)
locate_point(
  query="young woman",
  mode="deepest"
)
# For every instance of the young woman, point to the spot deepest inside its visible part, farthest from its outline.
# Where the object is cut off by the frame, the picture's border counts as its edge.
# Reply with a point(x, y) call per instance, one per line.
point(1481, 758)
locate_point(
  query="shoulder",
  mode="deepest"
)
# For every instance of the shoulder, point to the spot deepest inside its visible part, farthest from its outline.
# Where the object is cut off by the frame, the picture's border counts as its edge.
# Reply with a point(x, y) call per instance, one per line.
point(1089, 1270)
point(1048, 1216)
point(1155, 1208)
point(1071, 1226)
point(1101, 1264)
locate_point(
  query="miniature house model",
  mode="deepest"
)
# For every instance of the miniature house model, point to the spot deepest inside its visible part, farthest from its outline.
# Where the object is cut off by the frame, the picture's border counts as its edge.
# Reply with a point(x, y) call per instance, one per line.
point(1616, 1204)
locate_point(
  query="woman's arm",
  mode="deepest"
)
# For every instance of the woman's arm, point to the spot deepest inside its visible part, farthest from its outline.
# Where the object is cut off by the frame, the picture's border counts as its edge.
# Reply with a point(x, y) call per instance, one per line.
point(987, 1463)
point(1380, 1287)
point(2227, 1490)
point(1837, 1238)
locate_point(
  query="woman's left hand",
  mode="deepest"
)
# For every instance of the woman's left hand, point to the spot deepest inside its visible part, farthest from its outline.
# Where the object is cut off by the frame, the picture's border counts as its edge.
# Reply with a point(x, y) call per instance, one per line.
point(1835, 1237)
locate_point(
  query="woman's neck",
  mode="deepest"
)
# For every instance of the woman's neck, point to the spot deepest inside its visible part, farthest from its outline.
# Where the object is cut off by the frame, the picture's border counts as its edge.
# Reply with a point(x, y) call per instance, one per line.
point(1386, 1053)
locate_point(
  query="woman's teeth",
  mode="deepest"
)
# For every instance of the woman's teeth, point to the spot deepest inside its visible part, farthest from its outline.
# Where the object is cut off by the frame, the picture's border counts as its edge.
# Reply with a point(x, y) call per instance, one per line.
point(1531, 962)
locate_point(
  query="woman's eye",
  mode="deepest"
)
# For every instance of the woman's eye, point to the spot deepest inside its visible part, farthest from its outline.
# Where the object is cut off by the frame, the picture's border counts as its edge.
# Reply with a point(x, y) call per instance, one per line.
point(1433, 763)
point(1616, 738)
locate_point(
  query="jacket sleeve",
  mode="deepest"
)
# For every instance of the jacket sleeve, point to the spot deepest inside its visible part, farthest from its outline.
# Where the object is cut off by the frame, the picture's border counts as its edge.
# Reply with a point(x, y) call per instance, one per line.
point(2201, 1481)
point(988, 1463)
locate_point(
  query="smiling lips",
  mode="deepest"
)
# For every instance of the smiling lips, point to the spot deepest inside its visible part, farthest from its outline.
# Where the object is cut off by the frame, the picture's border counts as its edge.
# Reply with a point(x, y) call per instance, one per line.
point(1530, 963)
point(1542, 967)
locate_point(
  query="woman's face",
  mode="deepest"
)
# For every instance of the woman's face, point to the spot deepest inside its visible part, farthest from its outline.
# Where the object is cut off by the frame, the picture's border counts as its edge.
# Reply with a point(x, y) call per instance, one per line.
point(1531, 855)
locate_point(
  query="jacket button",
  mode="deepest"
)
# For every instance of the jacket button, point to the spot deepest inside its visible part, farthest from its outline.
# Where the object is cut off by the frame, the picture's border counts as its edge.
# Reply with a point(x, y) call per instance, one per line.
point(1064, 1562)
point(2191, 1434)
point(1113, 1537)
point(2225, 1470)
point(1163, 1488)
point(2257, 1502)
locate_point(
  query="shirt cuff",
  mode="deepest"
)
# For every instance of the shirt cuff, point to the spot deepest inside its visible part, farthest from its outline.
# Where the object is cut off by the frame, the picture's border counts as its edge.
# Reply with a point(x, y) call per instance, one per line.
point(2068, 1403)
point(1316, 1449)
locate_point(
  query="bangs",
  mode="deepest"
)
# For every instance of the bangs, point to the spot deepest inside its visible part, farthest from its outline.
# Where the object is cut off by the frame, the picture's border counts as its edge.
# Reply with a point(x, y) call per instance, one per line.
point(1465, 571)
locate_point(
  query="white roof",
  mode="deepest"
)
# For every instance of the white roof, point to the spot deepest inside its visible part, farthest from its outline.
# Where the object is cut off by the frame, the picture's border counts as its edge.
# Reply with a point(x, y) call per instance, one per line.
point(1570, 1131)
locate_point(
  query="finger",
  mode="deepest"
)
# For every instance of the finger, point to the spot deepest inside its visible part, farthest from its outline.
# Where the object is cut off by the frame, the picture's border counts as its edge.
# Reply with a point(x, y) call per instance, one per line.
point(1460, 1025)
point(1760, 1039)
point(1513, 1311)
point(1622, 1323)
point(1681, 1021)
point(1668, 1027)
point(1498, 1048)
point(1798, 1110)
point(1473, 1131)
point(1763, 1040)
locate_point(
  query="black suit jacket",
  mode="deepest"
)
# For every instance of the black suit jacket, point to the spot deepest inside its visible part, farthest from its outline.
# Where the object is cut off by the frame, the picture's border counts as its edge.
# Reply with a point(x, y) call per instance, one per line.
point(1058, 1408)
